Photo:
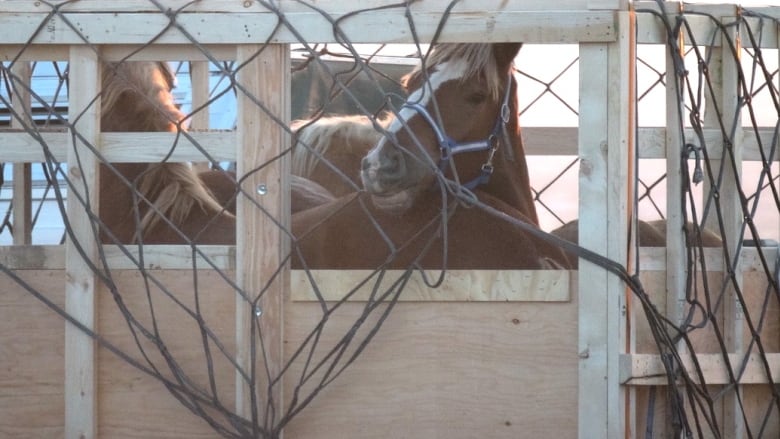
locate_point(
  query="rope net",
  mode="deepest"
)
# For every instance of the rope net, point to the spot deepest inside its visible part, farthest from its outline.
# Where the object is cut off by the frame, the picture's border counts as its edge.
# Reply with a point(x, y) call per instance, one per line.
point(170, 318)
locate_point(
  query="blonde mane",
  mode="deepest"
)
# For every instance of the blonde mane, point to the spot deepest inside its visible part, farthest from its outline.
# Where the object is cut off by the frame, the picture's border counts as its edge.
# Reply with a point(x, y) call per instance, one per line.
point(137, 97)
point(479, 58)
point(314, 138)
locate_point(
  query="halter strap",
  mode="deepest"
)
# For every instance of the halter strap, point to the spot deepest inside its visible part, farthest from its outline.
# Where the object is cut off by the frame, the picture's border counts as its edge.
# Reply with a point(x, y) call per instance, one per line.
point(448, 147)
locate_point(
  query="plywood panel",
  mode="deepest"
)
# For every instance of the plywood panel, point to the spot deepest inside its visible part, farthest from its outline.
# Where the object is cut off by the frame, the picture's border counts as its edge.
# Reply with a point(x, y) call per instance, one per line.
point(32, 345)
point(133, 404)
point(448, 370)
point(458, 285)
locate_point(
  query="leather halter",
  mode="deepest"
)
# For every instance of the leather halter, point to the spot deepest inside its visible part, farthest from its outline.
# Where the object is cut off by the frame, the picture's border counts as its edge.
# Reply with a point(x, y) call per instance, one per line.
point(448, 147)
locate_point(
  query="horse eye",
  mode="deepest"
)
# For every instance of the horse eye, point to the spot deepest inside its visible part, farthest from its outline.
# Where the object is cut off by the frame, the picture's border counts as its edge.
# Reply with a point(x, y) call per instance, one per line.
point(476, 98)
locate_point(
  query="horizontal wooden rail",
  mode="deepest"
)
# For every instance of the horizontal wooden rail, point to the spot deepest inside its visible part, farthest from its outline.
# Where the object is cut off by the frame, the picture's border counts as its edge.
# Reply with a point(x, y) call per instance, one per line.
point(254, 24)
point(19, 147)
point(458, 286)
point(648, 369)
point(222, 257)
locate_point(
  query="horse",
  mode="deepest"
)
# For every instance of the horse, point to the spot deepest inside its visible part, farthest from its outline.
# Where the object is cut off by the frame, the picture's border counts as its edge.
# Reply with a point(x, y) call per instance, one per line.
point(167, 203)
point(328, 150)
point(153, 203)
point(457, 138)
point(650, 234)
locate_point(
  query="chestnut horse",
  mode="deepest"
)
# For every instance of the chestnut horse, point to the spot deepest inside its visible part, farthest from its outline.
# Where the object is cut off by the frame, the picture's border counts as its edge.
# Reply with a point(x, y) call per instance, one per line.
point(650, 233)
point(167, 203)
point(329, 150)
point(456, 139)
point(154, 203)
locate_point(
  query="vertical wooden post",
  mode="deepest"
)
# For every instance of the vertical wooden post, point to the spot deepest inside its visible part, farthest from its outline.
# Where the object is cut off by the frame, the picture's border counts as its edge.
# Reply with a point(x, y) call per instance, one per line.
point(733, 321)
point(80, 367)
point(22, 175)
point(264, 77)
point(676, 256)
point(199, 78)
point(675, 241)
point(606, 148)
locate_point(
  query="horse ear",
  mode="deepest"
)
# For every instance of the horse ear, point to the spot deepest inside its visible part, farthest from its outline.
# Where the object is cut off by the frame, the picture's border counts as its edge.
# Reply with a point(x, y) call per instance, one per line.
point(505, 53)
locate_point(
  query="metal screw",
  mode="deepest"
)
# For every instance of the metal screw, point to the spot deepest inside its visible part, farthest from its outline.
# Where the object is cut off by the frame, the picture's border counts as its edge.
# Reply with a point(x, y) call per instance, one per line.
point(262, 189)
point(258, 311)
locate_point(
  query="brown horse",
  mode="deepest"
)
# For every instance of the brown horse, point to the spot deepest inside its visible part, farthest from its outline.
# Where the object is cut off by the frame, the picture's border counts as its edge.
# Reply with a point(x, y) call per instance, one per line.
point(154, 203)
point(459, 125)
point(304, 193)
point(651, 234)
point(329, 150)
point(167, 203)
point(460, 122)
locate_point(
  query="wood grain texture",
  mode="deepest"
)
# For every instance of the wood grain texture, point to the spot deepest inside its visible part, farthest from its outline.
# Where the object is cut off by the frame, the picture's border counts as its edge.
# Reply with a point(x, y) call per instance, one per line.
point(458, 285)
point(261, 246)
point(81, 245)
point(32, 367)
point(448, 370)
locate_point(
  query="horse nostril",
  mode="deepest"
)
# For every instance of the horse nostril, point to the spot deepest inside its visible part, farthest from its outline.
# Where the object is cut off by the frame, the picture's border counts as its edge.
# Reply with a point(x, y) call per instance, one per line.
point(392, 162)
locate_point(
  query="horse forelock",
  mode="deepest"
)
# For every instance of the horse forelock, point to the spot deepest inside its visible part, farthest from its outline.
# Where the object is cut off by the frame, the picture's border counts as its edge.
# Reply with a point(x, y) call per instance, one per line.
point(174, 189)
point(143, 91)
point(315, 138)
point(137, 97)
point(479, 58)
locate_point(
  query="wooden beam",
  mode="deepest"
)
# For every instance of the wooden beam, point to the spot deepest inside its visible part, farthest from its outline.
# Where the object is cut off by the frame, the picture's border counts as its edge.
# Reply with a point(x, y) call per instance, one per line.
point(458, 286)
point(22, 172)
point(263, 79)
point(81, 246)
point(648, 369)
point(606, 148)
point(501, 24)
point(125, 147)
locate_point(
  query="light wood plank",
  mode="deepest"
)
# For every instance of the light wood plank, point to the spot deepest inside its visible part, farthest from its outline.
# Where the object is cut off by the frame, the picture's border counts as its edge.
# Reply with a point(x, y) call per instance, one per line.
point(734, 325)
point(329, 6)
point(126, 147)
point(621, 150)
point(592, 333)
point(80, 369)
point(676, 256)
point(264, 76)
point(648, 369)
point(22, 172)
point(388, 26)
point(52, 257)
point(154, 147)
point(118, 147)
point(458, 286)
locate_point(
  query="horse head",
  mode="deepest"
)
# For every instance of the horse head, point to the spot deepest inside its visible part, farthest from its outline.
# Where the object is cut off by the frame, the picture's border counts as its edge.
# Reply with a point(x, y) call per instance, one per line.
point(452, 125)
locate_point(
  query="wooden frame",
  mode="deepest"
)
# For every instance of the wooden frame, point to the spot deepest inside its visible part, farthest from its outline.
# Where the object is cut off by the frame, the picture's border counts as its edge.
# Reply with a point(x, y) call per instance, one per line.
point(610, 368)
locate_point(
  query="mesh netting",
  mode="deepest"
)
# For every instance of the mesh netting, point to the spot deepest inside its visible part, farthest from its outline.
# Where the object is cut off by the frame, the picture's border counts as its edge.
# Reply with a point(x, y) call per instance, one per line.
point(192, 318)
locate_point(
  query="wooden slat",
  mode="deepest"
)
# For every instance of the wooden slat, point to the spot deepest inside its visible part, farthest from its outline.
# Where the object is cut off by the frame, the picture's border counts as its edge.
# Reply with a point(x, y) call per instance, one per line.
point(22, 172)
point(118, 52)
point(154, 147)
point(125, 147)
point(119, 147)
point(606, 150)
point(330, 6)
point(80, 372)
point(264, 76)
point(621, 150)
point(592, 333)
point(388, 26)
point(734, 330)
point(676, 255)
point(458, 286)
point(648, 369)
point(52, 257)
